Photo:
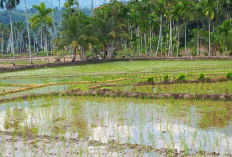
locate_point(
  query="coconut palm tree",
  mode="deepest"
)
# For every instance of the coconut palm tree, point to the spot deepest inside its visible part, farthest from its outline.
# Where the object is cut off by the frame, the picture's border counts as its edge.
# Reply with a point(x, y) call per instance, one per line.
point(53, 22)
point(208, 9)
point(186, 14)
point(169, 5)
point(160, 11)
point(9, 5)
point(198, 12)
point(42, 19)
point(28, 33)
point(59, 12)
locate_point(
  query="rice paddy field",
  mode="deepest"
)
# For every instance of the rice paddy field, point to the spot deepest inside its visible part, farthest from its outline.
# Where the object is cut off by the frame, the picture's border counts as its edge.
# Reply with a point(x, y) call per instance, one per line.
point(133, 108)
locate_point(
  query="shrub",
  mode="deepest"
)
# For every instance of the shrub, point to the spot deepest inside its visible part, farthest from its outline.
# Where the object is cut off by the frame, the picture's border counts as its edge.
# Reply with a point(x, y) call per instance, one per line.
point(229, 75)
point(165, 78)
point(42, 53)
point(150, 80)
point(202, 76)
point(193, 52)
point(180, 78)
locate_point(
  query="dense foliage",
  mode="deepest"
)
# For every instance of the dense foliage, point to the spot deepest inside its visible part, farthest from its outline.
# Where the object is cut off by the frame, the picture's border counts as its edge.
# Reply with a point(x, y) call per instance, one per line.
point(135, 28)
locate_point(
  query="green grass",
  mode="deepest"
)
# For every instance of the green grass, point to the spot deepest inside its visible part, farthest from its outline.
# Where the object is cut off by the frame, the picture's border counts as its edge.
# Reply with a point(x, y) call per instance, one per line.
point(129, 66)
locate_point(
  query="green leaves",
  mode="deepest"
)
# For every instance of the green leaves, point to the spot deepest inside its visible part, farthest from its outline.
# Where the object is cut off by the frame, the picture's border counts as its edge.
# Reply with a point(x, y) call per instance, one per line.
point(43, 17)
point(9, 4)
point(209, 8)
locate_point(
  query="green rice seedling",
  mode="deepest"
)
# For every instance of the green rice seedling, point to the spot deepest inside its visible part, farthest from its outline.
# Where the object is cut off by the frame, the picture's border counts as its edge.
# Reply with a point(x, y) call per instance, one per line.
point(229, 75)
point(201, 77)
point(165, 78)
point(150, 80)
point(181, 77)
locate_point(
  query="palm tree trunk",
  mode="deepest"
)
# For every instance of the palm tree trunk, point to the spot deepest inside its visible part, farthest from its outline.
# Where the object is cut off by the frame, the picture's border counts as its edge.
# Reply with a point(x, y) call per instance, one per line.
point(28, 33)
point(34, 44)
point(53, 21)
point(12, 38)
point(185, 38)
point(41, 38)
point(141, 42)
point(126, 46)
point(159, 40)
point(46, 45)
point(60, 12)
point(17, 41)
point(138, 44)
point(150, 42)
point(2, 48)
point(170, 40)
point(145, 42)
point(178, 39)
point(74, 54)
point(209, 40)
point(198, 38)
point(226, 45)
point(227, 14)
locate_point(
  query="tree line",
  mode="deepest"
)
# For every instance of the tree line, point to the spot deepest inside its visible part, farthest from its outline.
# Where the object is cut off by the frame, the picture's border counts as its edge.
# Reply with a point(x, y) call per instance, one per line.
point(131, 28)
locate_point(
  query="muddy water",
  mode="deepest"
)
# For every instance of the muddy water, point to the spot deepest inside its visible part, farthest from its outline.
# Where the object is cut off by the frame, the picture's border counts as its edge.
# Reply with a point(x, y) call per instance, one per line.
point(183, 125)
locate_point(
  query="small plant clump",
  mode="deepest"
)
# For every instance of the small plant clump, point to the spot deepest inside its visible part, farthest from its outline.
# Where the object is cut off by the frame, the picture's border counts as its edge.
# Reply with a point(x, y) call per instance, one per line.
point(165, 78)
point(202, 76)
point(181, 78)
point(150, 80)
point(229, 75)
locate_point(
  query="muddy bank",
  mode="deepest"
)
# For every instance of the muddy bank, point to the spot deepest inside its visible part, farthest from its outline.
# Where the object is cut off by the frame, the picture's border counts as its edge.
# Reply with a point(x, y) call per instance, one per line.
point(110, 93)
point(95, 61)
point(206, 80)
point(28, 144)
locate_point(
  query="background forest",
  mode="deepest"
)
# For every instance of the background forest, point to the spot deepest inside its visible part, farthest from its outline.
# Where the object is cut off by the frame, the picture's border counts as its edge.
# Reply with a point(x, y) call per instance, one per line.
point(167, 28)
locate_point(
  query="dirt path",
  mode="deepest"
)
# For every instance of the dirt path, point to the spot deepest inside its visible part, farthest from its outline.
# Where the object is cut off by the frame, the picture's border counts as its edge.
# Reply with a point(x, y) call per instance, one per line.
point(7, 62)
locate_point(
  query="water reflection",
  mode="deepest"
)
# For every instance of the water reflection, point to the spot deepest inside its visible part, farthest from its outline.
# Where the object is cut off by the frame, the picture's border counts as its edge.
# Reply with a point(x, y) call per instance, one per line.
point(171, 124)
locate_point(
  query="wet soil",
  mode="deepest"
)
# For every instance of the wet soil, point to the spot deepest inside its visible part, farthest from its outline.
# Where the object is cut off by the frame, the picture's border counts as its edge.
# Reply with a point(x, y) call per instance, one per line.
point(31, 145)
point(111, 93)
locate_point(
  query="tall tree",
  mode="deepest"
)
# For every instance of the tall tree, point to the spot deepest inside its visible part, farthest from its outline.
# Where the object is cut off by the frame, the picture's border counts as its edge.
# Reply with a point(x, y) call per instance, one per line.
point(9, 5)
point(208, 8)
point(198, 12)
point(160, 11)
point(186, 14)
point(2, 30)
point(28, 32)
point(59, 12)
point(42, 19)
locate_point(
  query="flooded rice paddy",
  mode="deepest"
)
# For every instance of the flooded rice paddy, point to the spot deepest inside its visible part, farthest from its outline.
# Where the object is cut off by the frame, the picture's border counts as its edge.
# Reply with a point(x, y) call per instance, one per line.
point(41, 113)
point(181, 125)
